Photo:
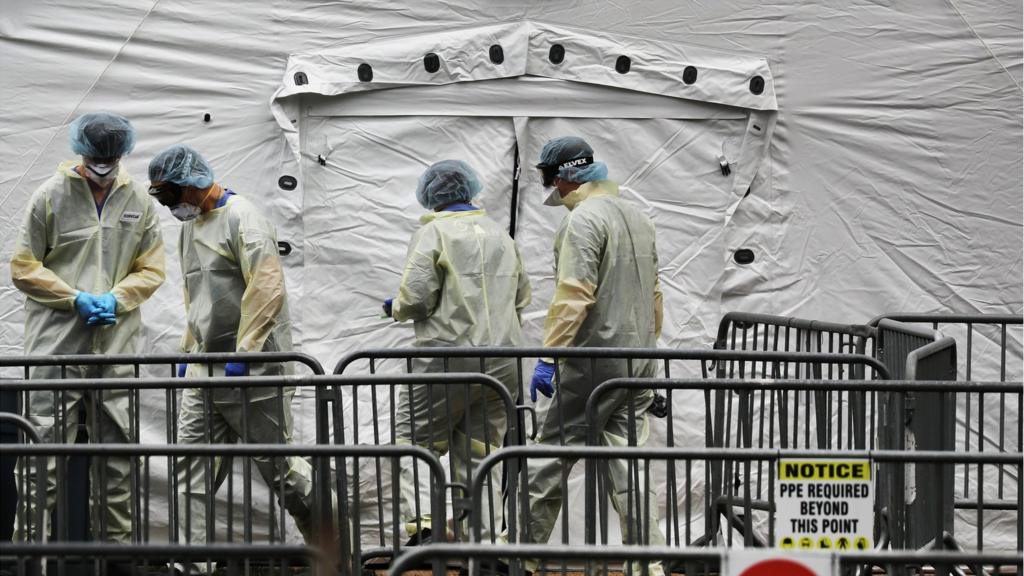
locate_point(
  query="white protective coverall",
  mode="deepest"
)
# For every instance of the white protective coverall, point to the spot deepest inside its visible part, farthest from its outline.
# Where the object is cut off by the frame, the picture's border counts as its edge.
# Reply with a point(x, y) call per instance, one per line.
point(235, 301)
point(607, 294)
point(463, 285)
point(66, 246)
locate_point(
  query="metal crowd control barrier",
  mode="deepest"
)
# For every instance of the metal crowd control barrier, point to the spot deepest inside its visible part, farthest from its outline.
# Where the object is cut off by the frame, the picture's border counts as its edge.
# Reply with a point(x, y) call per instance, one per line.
point(96, 387)
point(99, 365)
point(768, 421)
point(154, 559)
point(744, 496)
point(707, 562)
point(331, 543)
point(455, 385)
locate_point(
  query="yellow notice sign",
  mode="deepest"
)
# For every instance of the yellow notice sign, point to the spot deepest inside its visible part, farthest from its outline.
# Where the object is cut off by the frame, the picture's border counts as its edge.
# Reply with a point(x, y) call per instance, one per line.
point(841, 470)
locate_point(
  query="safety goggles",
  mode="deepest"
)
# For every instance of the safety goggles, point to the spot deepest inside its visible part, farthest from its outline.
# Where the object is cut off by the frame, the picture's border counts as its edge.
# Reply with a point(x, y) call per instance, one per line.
point(166, 193)
point(549, 172)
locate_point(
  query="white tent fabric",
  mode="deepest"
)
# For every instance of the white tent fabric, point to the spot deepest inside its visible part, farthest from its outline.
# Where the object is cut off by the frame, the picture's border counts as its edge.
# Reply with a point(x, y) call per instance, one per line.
point(888, 179)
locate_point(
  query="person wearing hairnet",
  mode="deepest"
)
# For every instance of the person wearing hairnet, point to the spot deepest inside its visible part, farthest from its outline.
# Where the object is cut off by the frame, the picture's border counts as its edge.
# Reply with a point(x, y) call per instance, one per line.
point(235, 301)
point(607, 294)
point(90, 253)
point(463, 284)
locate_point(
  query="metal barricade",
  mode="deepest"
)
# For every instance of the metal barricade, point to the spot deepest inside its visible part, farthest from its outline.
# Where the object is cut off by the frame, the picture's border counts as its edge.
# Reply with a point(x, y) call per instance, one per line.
point(744, 498)
point(332, 541)
point(82, 408)
point(156, 559)
point(372, 498)
point(769, 419)
point(590, 559)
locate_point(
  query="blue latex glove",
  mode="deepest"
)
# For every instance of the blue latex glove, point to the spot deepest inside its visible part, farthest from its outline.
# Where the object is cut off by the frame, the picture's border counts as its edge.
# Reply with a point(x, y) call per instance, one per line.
point(85, 305)
point(387, 306)
point(107, 306)
point(543, 380)
point(236, 369)
point(181, 370)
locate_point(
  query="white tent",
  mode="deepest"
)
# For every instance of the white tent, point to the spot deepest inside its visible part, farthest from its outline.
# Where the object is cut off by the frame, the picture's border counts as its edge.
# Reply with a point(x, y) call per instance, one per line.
point(874, 147)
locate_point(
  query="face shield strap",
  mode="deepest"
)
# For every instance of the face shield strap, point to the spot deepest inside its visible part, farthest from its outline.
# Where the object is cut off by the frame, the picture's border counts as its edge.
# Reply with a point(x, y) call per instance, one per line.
point(548, 173)
point(168, 193)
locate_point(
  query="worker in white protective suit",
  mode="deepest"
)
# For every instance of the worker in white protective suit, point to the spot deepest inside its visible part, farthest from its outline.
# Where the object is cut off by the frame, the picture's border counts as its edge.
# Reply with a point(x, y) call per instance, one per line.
point(235, 301)
point(607, 294)
point(90, 253)
point(463, 284)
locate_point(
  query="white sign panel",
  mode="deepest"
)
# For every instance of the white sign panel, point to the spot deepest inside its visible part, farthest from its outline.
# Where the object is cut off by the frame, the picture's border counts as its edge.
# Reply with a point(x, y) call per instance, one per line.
point(824, 504)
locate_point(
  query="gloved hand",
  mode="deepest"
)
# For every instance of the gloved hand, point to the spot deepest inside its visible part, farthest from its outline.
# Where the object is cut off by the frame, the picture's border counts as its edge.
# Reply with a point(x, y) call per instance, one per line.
point(543, 380)
point(85, 305)
point(181, 370)
point(107, 306)
point(387, 306)
point(236, 369)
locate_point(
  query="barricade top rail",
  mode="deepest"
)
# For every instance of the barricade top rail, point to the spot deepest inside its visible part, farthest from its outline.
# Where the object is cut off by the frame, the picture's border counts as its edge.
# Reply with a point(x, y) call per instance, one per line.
point(216, 382)
point(860, 330)
point(950, 318)
point(609, 353)
point(769, 384)
point(272, 450)
point(136, 550)
point(421, 555)
point(150, 359)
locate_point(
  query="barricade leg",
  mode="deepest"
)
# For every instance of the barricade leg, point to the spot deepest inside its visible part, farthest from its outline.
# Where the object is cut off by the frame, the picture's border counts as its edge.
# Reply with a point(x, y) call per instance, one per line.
point(269, 422)
point(199, 477)
point(46, 411)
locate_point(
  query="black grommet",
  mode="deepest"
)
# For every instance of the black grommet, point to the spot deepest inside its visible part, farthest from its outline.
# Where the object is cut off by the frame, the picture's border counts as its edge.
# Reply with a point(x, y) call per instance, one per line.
point(431, 62)
point(284, 248)
point(743, 256)
point(300, 78)
point(757, 85)
point(556, 54)
point(496, 53)
point(206, 117)
point(365, 72)
point(690, 74)
point(287, 182)
point(622, 64)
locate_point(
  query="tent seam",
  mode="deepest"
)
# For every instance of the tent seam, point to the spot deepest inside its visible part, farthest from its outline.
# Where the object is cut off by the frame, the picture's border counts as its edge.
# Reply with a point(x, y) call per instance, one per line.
point(85, 95)
point(983, 43)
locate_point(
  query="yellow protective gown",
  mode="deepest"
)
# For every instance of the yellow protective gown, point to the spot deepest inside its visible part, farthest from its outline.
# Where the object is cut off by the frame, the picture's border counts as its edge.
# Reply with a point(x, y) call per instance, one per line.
point(607, 294)
point(463, 285)
point(235, 301)
point(66, 246)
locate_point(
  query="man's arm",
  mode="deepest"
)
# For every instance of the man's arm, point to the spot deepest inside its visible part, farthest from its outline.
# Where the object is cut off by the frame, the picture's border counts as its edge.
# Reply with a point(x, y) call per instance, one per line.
point(28, 273)
point(421, 278)
point(265, 296)
point(579, 259)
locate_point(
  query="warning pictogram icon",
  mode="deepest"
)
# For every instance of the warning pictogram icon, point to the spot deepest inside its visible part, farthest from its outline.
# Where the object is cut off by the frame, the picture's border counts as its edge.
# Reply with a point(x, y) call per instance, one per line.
point(788, 543)
point(806, 543)
point(862, 543)
point(825, 543)
point(843, 543)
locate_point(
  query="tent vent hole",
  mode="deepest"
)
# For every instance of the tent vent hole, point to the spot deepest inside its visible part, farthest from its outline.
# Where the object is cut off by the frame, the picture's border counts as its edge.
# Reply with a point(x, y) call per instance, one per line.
point(556, 54)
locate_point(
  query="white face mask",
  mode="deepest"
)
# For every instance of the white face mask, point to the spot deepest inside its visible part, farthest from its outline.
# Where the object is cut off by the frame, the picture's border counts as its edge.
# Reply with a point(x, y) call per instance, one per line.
point(185, 211)
point(102, 174)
